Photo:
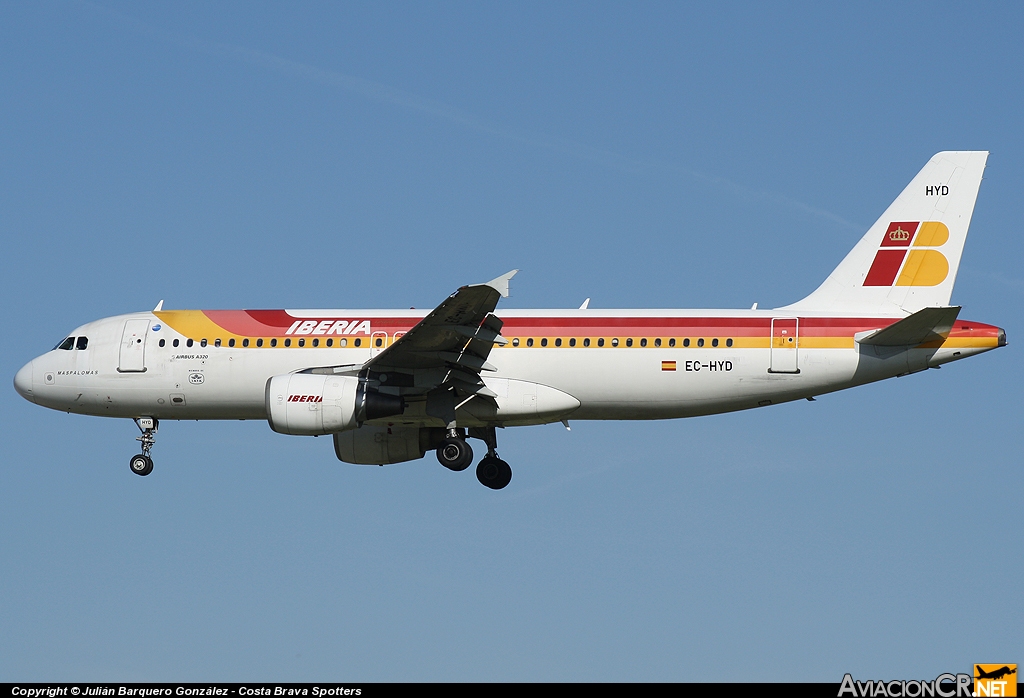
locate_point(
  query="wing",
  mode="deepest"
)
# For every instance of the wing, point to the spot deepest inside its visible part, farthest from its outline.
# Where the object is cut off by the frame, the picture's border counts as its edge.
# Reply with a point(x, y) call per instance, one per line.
point(443, 355)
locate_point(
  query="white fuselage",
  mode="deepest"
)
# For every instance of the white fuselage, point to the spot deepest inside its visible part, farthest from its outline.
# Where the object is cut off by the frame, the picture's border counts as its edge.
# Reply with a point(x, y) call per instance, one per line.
point(178, 381)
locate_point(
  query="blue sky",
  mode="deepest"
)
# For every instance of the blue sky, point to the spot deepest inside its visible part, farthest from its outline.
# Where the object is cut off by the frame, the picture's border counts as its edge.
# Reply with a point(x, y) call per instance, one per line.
point(223, 155)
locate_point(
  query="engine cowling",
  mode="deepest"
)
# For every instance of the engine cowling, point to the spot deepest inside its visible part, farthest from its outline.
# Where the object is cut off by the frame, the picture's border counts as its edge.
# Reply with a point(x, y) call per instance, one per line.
point(307, 404)
point(372, 445)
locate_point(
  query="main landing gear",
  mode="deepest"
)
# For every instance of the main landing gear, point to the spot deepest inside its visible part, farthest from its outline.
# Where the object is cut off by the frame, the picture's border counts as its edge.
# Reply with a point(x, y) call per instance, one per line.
point(455, 454)
point(142, 464)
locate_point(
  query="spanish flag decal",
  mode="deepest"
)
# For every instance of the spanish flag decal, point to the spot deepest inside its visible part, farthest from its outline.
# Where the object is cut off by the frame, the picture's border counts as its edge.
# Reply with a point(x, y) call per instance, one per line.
point(668, 365)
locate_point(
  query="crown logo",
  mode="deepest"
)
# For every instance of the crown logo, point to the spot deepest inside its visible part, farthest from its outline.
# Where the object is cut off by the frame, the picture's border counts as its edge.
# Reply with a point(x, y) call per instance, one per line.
point(899, 235)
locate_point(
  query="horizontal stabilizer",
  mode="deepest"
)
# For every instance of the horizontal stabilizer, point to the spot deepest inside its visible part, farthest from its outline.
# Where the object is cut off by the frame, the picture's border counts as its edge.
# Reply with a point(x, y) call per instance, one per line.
point(926, 325)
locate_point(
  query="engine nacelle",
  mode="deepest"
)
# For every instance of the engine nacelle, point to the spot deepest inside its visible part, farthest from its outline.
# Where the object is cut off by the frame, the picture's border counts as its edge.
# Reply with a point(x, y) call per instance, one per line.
point(309, 404)
point(371, 445)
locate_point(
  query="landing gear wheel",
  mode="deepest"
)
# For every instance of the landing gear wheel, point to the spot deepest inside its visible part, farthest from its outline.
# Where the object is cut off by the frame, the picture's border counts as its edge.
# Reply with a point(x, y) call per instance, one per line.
point(454, 453)
point(493, 472)
point(141, 465)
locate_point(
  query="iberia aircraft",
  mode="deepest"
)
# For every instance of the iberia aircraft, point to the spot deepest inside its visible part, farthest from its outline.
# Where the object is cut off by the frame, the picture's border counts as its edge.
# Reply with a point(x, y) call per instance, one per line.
point(391, 385)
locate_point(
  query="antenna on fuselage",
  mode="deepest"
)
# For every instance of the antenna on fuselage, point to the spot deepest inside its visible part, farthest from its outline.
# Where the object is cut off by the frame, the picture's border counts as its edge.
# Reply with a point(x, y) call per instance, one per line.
point(159, 306)
point(586, 304)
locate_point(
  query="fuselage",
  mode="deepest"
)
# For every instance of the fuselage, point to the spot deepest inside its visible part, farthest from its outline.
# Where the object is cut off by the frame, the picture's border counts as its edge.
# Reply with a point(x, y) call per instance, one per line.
point(618, 364)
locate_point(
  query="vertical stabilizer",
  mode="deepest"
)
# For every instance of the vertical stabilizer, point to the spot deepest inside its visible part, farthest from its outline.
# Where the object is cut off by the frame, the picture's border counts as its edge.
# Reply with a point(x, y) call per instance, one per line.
point(909, 258)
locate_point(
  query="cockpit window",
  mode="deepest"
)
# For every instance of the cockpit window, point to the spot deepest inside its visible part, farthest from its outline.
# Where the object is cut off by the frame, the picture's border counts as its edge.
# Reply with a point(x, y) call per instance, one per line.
point(67, 345)
point(82, 343)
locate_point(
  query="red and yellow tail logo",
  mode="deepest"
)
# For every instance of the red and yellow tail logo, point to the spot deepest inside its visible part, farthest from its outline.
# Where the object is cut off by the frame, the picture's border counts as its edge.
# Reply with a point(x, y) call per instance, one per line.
point(921, 267)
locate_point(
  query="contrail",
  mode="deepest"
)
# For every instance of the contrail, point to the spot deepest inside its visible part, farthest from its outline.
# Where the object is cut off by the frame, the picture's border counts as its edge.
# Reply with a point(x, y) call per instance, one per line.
point(390, 95)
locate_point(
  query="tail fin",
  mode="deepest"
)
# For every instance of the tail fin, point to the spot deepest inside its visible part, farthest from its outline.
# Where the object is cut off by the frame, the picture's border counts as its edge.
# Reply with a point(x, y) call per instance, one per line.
point(909, 258)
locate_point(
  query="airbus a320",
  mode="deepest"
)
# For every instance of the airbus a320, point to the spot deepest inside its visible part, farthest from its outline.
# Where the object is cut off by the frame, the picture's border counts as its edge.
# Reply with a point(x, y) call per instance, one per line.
point(390, 385)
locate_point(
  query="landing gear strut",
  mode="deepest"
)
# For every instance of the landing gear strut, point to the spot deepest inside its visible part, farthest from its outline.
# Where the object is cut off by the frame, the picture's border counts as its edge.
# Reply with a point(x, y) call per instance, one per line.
point(142, 464)
point(492, 471)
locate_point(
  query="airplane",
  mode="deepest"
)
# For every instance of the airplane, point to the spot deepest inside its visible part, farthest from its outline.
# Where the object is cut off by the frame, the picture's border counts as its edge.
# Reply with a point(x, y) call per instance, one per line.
point(390, 385)
point(995, 674)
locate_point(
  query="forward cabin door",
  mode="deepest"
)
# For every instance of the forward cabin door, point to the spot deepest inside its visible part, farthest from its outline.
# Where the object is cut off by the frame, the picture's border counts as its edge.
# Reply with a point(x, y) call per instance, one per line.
point(132, 357)
point(785, 339)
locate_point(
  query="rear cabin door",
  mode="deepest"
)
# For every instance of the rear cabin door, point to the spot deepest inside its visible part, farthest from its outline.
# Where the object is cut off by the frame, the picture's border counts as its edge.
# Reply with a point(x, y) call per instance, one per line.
point(785, 339)
point(132, 357)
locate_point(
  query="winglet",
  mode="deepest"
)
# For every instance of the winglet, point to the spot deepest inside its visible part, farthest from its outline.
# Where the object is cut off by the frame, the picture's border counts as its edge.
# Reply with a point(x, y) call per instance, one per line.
point(501, 283)
point(159, 306)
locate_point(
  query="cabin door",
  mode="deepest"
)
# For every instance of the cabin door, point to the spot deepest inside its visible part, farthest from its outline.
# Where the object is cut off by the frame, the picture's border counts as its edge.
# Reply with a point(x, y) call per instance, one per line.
point(132, 357)
point(785, 340)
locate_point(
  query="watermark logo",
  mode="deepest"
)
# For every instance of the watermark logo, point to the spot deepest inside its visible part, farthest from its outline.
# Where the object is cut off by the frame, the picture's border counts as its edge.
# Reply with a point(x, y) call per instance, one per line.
point(995, 680)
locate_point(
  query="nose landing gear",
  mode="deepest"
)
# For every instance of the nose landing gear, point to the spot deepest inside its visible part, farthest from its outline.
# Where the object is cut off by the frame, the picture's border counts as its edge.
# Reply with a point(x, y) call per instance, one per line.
point(142, 464)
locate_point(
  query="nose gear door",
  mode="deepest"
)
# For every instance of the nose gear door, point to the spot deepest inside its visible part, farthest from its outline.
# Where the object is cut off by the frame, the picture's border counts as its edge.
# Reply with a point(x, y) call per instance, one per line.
point(132, 357)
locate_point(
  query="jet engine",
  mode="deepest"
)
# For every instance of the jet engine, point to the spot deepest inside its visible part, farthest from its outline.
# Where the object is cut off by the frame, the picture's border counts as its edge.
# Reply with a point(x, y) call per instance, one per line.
point(307, 404)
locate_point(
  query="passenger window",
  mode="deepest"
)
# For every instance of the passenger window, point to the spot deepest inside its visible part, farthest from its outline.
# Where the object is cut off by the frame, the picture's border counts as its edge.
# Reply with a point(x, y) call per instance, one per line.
point(245, 342)
point(657, 342)
point(558, 342)
point(231, 342)
point(203, 343)
point(643, 342)
point(302, 342)
point(216, 342)
point(330, 342)
point(572, 342)
point(600, 342)
point(515, 341)
point(672, 342)
point(342, 342)
point(615, 342)
point(728, 342)
point(83, 343)
point(358, 341)
point(379, 342)
point(316, 342)
point(686, 342)
point(174, 343)
point(259, 342)
point(162, 342)
point(544, 342)
point(586, 341)
point(700, 342)
point(287, 342)
point(273, 342)
point(714, 342)
point(189, 343)
point(629, 342)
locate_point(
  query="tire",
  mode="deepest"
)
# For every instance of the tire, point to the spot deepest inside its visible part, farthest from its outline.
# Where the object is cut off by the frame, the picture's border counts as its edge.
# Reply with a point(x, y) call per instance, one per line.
point(494, 473)
point(141, 465)
point(455, 454)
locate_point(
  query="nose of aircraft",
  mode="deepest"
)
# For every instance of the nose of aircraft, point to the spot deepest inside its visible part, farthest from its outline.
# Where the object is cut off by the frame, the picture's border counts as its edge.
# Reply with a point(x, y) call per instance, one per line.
point(23, 382)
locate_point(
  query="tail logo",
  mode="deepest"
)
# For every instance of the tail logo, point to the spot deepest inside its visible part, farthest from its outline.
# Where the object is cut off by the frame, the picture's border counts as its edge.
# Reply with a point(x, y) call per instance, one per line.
point(899, 235)
point(896, 264)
